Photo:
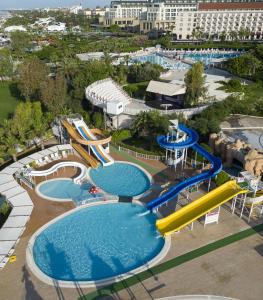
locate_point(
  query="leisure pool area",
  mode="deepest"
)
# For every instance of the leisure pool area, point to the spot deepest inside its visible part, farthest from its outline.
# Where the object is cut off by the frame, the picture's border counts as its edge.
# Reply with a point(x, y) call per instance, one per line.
point(121, 179)
point(161, 60)
point(64, 189)
point(175, 61)
point(107, 240)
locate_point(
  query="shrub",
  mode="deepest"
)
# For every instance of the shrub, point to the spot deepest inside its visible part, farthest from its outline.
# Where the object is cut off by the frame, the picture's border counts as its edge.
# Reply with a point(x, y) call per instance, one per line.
point(5, 208)
point(221, 178)
point(120, 135)
point(97, 120)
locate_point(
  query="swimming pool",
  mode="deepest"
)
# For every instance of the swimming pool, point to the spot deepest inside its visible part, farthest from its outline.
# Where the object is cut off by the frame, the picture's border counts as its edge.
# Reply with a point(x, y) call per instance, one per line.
point(161, 60)
point(66, 189)
point(172, 64)
point(210, 57)
point(122, 179)
point(105, 241)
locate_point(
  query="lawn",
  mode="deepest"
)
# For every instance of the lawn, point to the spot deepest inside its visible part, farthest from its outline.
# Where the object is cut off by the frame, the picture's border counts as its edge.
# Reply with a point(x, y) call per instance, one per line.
point(8, 102)
point(136, 90)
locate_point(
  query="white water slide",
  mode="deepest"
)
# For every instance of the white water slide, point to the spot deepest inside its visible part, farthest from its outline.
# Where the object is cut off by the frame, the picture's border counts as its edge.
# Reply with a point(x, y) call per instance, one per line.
point(98, 150)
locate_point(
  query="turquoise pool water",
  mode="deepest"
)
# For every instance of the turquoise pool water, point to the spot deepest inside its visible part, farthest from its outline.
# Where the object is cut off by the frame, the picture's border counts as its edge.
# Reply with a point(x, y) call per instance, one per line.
point(160, 60)
point(67, 189)
point(121, 179)
point(98, 242)
point(171, 64)
point(210, 57)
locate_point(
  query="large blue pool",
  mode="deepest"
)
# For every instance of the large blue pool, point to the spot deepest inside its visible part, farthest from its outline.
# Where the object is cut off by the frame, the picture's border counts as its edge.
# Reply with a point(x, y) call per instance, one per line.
point(98, 242)
point(173, 64)
point(121, 179)
point(62, 189)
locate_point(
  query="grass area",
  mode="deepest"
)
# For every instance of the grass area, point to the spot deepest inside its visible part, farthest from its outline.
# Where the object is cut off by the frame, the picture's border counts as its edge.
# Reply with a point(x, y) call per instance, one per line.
point(8, 102)
point(148, 167)
point(172, 263)
point(136, 90)
point(143, 145)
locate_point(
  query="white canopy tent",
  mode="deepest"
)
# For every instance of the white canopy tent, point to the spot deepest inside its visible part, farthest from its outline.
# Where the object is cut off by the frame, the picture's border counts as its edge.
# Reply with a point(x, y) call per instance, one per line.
point(14, 191)
point(21, 211)
point(6, 246)
point(16, 221)
point(21, 200)
point(10, 234)
point(4, 178)
point(8, 185)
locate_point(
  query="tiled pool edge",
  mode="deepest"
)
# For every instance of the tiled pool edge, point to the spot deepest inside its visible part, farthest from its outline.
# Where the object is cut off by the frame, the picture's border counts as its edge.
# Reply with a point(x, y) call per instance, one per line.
point(86, 284)
point(40, 194)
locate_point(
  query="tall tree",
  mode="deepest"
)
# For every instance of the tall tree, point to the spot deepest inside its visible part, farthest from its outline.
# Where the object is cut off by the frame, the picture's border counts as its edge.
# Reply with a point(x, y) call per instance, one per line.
point(195, 85)
point(20, 42)
point(6, 63)
point(54, 93)
point(31, 74)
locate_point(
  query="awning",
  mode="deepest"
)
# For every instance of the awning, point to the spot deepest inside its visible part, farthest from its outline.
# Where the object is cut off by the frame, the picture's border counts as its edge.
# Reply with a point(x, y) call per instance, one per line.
point(167, 89)
point(20, 200)
point(10, 171)
point(16, 221)
point(21, 211)
point(10, 234)
point(6, 246)
point(53, 149)
point(65, 147)
point(13, 191)
point(26, 160)
point(4, 178)
point(35, 156)
point(8, 185)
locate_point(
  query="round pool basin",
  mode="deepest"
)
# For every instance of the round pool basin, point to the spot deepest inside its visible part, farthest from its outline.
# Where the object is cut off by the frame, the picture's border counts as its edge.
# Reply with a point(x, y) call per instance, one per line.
point(97, 242)
point(121, 179)
point(64, 189)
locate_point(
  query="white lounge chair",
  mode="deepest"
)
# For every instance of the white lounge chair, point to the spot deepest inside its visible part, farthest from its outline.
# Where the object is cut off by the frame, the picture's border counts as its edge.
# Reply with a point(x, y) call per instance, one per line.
point(57, 156)
point(64, 154)
point(47, 159)
point(4, 262)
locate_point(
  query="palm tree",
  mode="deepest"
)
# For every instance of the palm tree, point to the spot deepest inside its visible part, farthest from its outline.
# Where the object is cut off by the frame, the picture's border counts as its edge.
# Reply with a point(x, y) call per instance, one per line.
point(222, 36)
point(141, 123)
point(233, 35)
point(126, 59)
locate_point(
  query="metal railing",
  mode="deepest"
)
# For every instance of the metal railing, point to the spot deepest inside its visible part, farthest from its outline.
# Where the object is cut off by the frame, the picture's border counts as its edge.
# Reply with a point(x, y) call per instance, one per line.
point(141, 155)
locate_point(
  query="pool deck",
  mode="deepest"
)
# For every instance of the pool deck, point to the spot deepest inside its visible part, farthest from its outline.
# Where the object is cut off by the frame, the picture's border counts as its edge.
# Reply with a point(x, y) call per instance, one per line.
point(233, 270)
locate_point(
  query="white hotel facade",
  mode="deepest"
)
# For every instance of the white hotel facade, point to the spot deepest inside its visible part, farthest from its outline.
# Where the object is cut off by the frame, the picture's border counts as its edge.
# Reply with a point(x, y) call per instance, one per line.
point(183, 17)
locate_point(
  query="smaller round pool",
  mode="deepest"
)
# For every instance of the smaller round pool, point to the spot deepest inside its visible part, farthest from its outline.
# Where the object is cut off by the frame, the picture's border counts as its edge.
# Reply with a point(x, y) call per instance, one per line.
point(121, 179)
point(66, 189)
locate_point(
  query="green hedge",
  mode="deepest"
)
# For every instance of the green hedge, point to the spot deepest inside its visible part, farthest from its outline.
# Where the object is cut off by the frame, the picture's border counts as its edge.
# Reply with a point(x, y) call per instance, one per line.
point(221, 178)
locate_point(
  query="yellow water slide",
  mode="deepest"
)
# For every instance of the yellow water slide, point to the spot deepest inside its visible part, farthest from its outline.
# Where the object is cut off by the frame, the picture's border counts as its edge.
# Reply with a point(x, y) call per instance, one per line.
point(84, 154)
point(199, 207)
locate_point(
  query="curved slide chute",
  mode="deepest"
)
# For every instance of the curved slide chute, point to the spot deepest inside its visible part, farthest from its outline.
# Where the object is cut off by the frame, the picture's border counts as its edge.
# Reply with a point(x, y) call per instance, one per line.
point(98, 150)
point(191, 141)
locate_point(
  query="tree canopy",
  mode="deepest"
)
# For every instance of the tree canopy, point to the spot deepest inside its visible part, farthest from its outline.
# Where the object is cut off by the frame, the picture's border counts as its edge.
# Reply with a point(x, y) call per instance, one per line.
point(195, 85)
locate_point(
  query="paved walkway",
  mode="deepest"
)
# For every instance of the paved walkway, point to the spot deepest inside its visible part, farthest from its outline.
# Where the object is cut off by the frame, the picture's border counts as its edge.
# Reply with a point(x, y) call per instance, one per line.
point(194, 264)
point(170, 264)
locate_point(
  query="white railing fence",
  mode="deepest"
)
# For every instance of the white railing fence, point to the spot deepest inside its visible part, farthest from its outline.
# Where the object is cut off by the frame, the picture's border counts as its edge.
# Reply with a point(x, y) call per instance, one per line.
point(141, 155)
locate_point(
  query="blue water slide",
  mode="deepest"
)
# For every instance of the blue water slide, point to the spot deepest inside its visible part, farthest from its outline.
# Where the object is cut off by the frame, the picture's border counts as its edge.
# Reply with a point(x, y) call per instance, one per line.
point(216, 167)
point(94, 148)
point(192, 138)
